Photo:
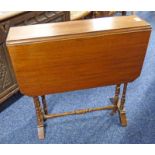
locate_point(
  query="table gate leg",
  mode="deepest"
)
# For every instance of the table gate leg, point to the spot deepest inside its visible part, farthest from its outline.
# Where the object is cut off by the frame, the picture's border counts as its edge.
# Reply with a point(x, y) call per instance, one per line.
point(40, 119)
point(122, 113)
point(44, 103)
point(116, 98)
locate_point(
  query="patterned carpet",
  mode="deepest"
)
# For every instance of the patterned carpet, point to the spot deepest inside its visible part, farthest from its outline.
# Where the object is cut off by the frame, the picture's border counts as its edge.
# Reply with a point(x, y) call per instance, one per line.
point(18, 121)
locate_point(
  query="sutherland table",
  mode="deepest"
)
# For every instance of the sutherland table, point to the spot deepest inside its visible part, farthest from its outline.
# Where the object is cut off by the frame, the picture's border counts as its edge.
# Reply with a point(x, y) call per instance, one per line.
point(52, 58)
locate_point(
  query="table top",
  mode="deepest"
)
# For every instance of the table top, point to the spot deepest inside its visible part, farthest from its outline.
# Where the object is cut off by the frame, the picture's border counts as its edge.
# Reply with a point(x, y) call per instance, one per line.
point(101, 52)
point(71, 28)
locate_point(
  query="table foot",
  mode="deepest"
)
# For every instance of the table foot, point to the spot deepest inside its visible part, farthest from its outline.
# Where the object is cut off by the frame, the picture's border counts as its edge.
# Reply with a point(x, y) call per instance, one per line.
point(41, 134)
point(123, 119)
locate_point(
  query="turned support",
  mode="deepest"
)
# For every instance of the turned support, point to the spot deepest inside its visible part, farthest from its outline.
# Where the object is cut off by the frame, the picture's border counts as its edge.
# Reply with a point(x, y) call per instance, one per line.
point(42, 113)
point(123, 96)
point(40, 120)
point(116, 98)
point(122, 113)
point(79, 112)
point(44, 104)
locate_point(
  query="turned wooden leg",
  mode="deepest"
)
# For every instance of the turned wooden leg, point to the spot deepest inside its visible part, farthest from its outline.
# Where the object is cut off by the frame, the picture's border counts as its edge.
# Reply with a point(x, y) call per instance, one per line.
point(122, 113)
point(40, 119)
point(116, 98)
point(44, 103)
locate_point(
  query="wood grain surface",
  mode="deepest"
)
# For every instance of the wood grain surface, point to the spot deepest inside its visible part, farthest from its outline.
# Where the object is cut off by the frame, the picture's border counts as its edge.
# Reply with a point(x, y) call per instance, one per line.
point(78, 55)
point(72, 29)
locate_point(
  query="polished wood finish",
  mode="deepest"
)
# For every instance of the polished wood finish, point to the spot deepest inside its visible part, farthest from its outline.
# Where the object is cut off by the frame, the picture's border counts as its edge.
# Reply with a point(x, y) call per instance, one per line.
point(74, 29)
point(54, 63)
point(51, 58)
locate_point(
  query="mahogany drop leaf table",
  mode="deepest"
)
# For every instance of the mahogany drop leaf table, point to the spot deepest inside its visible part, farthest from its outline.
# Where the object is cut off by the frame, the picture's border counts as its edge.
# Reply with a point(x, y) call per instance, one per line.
point(73, 55)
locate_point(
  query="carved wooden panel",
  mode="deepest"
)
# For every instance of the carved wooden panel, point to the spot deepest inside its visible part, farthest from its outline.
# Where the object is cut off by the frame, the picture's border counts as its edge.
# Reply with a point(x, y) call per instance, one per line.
point(5, 76)
point(38, 17)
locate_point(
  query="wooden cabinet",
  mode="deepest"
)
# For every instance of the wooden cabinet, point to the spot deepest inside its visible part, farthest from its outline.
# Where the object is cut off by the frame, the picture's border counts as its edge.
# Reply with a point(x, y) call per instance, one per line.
point(8, 84)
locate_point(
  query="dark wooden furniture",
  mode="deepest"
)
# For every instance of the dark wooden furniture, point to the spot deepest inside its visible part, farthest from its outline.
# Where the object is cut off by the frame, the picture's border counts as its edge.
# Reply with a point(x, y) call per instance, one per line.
point(46, 59)
point(8, 84)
